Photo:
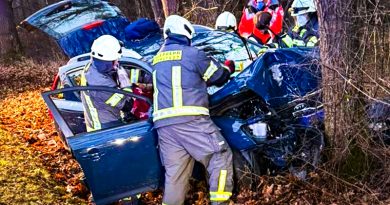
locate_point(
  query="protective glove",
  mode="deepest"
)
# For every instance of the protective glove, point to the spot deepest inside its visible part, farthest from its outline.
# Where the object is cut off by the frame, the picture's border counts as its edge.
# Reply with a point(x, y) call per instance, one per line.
point(231, 65)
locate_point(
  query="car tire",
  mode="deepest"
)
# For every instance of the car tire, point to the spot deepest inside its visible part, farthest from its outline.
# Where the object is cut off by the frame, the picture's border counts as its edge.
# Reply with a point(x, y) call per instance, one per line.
point(245, 174)
point(307, 156)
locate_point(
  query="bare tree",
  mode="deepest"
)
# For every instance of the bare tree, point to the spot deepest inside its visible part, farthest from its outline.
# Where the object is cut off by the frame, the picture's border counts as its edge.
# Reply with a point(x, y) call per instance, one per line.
point(158, 11)
point(355, 69)
point(8, 36)
point(169, 7)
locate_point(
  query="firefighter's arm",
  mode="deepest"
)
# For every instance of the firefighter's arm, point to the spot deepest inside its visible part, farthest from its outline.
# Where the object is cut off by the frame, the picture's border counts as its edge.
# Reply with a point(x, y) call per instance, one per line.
point(212, 71)
point(120, 101)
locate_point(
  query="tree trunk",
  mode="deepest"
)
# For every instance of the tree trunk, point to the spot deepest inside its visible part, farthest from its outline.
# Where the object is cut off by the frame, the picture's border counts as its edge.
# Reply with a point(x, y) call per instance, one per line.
point(343, 32)
point(9, 42)
point(158, 11)
point(169, 7)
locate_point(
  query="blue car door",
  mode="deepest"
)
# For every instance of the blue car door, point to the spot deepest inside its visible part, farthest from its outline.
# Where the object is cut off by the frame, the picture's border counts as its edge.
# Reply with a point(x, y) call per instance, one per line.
point(117, 162)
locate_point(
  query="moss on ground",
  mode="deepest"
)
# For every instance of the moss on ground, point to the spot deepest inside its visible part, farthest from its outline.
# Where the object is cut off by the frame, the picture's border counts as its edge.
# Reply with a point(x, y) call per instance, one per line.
point(24, 179)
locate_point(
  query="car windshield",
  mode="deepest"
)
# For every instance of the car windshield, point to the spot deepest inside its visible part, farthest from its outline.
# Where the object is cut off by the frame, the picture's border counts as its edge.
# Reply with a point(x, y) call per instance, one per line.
point(220, 45)
point(73, 15)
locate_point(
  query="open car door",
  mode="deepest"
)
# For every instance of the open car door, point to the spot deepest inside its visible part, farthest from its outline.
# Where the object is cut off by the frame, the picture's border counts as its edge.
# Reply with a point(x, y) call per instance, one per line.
point(119, 161)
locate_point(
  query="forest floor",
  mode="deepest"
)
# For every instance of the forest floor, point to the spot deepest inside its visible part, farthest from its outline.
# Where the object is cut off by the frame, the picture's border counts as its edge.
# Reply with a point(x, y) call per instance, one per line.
point(35, 168)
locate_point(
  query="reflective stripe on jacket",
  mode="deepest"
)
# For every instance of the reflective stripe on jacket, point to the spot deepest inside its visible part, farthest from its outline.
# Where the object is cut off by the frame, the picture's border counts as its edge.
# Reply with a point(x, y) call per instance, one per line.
point(304, 36)
point(101, 109)
point(181, 74)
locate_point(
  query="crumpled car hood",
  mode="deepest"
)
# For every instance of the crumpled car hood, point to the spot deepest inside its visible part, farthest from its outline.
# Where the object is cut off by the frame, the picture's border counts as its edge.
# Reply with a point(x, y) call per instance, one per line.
point(278, 76)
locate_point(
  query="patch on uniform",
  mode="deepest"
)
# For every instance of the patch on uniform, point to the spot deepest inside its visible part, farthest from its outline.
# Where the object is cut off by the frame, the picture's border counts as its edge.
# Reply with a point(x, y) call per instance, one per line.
point(167, 56)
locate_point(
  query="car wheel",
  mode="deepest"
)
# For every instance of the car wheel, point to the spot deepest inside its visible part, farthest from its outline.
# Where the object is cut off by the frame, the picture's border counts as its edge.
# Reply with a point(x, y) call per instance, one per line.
point(245, 173)
point(307, 156)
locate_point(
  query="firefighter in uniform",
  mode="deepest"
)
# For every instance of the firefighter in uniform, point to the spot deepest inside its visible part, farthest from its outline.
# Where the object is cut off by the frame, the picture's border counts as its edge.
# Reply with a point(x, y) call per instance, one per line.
point(305, 31)
point(103, 109)
point(181, 74)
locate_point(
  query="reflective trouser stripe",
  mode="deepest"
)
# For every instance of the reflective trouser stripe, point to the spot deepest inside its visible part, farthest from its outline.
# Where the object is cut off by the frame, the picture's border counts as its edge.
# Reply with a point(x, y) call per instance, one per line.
point(220, 196)
point(210, 71)
point(114, 99)
point(222, 181)
point(134, 75)
point(94, 114)
point(177, 91)
point(179, 111)
point(155, 94)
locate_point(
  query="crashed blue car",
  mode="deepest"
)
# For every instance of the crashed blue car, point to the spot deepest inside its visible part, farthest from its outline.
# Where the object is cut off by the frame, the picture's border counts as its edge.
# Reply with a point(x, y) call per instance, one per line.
point(124, 161)
point(280, 89)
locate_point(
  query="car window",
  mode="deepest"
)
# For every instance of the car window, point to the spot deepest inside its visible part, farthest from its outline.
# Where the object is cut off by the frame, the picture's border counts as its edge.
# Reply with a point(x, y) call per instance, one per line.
point(97, 105)
point(73, 15)
point(139, 79)
point(226, 46)
point(74, 76)
point(135, 73)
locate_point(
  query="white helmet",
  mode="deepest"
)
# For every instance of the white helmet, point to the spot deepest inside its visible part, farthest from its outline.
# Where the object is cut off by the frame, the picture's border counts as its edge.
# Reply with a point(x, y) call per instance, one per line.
point(106, 48)
point(178, 25)
point(226, 21)
point(300, 7)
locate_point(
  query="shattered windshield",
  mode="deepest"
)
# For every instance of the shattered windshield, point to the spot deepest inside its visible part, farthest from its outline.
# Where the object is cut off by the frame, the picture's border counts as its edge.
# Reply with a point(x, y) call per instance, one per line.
point(220, 45)
point(74, 15)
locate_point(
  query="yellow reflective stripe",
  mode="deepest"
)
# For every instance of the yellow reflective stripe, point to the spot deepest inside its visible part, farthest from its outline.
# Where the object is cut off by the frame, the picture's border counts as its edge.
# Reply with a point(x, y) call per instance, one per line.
point(210, 71)
point(179, 111)
point(312, 41)
point(114, 99)
point(222, 180)
point(155, 93)
point(128, 90)
point(177, 91)
point(262, 51)
point(167, 56)
point(302, 33)
point(134, 75)
point(297, 42)
point(93, 112)
point(220, 196)
point(295, 29)
point(288, 41)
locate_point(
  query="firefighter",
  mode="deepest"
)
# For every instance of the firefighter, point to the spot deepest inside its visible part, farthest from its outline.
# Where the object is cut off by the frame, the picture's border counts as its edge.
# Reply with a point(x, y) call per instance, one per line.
point(305, 31)
point(226, 22)
point(181, 74)
point(103, 109)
